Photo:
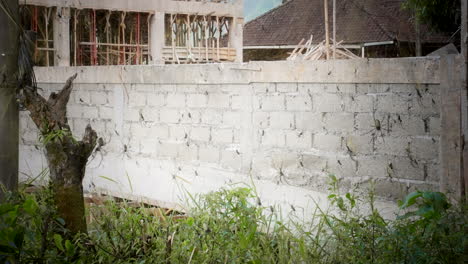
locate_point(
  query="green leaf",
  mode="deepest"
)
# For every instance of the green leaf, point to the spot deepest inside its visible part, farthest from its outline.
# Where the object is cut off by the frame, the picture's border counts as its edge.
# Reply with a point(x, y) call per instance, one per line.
point(30, 206)
point(58, 242)
point(410, 199)
point(5, 208)
point(190, 221)
point(70, 249)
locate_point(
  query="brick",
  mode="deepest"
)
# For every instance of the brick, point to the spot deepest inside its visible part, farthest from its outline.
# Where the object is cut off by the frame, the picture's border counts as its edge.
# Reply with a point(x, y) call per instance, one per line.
point(314, 162)
point(286, 87)
point(329, 143)
point(273, 137)
point(311, 88)
point(434, 126)
point(392, 146)
point(433, 172)
point(169, 150)
point(149, 114)
point(299, 103)
point(365, 123)
point(339, 122)
point(260, 88)
point(231, 159)
point(373, 88)
point(342, 166)
point(325, 103)
point(209, 154)
point(425, 148)
point(237, 102)
point(262, 166)
point(106, 112)
point(175, 100)
point(140, 131)
point(218, 100)
point(74, 111)
point(222, 136)
point(357, 144)
point(287, 161)
point(90, 112)
point(272, 102)
point(137, 99)
point(309, 121)
point(189, 88)
point(260, 119)
point(348, 88)
point(179, 132)
point(169, 116)
point(392, 104)
point(98, 98)
point(82, 97)
point(141, 87)
point(390, 189)
point(359, 104)
point(406, 125)
point(189, 117)
point(373, 166)
point(188, 152)
point(196, 100)
point(200, 134)
point(132, 114)
point(211, 117)
point(426, 106)
point(299, 139)
point(79, 126)
point(282, 120)
point(404, 168)
point(232, 119)
point(165, 88)
point(156, 99)
point(148, 146)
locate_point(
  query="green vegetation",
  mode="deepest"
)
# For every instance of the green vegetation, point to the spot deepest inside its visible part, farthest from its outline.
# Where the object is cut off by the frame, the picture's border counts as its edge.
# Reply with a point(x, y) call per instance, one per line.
point(440, 15)
point(231, 226)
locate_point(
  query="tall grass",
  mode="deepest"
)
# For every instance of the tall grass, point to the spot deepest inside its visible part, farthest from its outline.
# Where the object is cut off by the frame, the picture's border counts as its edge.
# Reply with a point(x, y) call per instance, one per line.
point(230, 226)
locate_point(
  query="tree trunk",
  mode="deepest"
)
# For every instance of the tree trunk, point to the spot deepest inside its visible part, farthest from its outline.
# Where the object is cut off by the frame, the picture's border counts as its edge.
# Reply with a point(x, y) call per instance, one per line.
point(9, 134)
point(66, 156)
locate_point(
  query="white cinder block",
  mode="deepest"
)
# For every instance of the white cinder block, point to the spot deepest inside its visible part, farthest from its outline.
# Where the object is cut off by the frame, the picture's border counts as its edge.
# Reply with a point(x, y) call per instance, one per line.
point(299, 102)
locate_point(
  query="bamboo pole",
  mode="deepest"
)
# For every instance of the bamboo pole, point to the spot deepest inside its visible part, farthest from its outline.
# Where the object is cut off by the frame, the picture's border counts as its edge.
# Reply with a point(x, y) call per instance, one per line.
point(334, 29)
point(107, 30)
point(75, 40)
point(327, 36)
point(47, 13)
point(218, 37)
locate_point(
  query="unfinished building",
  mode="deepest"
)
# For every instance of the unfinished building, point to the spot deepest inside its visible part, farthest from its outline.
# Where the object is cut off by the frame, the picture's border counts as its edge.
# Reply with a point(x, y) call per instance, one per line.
point(91, 33)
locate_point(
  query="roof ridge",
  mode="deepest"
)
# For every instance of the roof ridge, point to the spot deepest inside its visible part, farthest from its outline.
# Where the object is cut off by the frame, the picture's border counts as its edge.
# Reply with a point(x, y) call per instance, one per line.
point(268, 12)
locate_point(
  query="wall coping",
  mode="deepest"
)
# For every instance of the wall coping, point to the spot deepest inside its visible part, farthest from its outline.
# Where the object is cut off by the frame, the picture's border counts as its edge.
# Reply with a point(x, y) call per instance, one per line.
point(422, 70)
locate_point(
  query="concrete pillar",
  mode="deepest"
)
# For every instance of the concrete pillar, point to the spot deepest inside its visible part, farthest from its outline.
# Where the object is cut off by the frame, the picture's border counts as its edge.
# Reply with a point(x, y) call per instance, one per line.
point(157, 37)
point(236, 38)
point(62, 36)
point(451, 139)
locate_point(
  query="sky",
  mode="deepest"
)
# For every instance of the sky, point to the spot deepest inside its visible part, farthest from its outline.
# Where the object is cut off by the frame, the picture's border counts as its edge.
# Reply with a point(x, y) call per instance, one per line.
point(254, 8)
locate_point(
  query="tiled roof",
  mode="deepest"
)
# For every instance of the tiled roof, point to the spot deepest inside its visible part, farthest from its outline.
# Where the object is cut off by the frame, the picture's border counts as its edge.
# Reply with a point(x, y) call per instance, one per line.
point(358, 21)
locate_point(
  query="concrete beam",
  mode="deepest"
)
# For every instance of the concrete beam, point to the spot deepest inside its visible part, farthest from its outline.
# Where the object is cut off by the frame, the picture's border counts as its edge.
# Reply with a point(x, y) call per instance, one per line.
point(167, 6)
point(401, 70)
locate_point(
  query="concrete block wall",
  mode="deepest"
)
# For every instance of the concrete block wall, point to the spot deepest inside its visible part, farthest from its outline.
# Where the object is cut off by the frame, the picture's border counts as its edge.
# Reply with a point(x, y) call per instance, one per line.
point(282, 126)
